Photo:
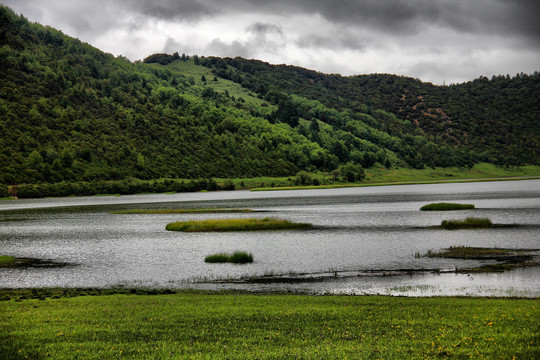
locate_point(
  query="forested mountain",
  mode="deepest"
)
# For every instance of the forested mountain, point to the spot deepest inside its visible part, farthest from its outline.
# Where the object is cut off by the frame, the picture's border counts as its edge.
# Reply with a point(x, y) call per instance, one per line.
point(71, 112)
point(497, 118)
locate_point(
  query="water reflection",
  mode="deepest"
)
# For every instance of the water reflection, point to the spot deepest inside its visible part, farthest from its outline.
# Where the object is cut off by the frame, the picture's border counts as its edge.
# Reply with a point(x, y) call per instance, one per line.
point(357, 229)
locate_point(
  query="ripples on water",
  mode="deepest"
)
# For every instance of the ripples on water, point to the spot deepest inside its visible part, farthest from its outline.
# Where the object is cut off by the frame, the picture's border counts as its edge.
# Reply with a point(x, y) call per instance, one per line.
point(357, 229)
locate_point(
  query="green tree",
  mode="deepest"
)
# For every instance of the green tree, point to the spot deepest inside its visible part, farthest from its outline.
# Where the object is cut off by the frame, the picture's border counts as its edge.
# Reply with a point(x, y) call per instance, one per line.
point(352, 172)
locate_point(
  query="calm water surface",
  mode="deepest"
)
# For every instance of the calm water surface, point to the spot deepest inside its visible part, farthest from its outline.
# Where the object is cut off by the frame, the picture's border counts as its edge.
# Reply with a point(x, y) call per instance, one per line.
point(357, 230)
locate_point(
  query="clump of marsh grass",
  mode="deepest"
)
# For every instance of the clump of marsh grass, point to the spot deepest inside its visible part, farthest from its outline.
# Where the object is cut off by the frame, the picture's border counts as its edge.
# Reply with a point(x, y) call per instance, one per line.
point(238, 257)
point(507, 259)
point(470, 252)
point(217, 258)
point(468, 223)
point(235, 225)
point(6, 260)
point(446, 207)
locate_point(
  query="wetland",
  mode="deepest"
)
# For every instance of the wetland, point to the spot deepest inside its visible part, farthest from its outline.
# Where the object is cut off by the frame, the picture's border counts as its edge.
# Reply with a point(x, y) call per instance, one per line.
point(363, 241)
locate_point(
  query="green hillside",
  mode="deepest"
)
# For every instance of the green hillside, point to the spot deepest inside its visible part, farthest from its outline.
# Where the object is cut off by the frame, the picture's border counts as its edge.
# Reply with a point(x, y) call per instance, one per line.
point(497, 119)
point(69, 112)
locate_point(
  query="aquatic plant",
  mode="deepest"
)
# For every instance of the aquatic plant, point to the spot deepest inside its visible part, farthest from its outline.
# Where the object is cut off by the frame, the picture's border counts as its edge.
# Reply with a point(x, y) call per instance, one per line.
point(470, 252)
point(446, 207)
point(507, 258)
point(235, 225)
point(469, 222)
point(6, 260)
point(217, 258)
point(241, 257)
point(238, 257)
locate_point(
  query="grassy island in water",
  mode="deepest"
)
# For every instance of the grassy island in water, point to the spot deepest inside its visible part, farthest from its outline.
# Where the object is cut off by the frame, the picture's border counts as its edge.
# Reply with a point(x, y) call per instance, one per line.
point(468, 223)
point(446, 207)
point(238, 257)
point(236, 225)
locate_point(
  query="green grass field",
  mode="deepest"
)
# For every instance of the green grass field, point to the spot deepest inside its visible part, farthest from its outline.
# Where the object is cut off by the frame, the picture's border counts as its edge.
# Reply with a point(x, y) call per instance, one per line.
point(380, 176)
point(188, 68)
point(220, 326)
point(478, 171)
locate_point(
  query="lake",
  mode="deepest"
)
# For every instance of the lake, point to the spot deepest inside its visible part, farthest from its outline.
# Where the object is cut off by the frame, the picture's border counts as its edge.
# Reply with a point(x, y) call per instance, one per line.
point(365, 241)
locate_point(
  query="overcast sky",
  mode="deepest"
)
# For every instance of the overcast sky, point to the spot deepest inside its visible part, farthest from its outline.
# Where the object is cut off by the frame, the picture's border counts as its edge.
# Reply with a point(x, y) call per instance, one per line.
point(434, 40)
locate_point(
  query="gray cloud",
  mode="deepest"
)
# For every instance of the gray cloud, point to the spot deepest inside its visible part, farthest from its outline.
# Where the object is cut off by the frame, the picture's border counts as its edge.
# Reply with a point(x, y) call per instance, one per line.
point(219, 48)
point(172, 46)
point(517, 18)
point(405, 17)
point(408, 37)
point(179, 10)
point(338, 39)
point(261, 29)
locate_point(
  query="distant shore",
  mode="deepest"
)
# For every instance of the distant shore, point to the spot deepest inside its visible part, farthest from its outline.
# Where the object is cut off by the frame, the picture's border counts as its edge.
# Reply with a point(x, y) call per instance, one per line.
point(375, 176)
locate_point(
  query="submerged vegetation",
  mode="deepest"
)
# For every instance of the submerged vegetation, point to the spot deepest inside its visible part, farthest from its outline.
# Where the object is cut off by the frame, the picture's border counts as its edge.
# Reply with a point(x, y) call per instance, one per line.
point(468, 223)
point(236, 225)
point(238, 257)
point(446, 207)
point(15, 262)
point(180, 211)
point(507, 259)
point(240, 326)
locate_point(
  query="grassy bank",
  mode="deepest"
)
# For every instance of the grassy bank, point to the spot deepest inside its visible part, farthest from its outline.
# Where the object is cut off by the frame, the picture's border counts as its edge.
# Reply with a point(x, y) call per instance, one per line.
point(478, 171)
point(235, 225)
point(203, 326)
point(380, 176)
point(375, 176)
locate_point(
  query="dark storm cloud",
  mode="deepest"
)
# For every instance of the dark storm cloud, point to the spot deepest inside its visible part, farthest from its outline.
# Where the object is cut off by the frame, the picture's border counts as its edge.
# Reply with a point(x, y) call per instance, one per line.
point(257, 37)
point(188, 10)
point(404, 17)
point(396, 17)
point(436, 40)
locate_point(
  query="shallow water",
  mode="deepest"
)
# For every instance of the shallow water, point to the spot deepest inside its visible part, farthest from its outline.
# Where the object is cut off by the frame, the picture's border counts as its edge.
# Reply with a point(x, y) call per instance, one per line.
point(356, 230)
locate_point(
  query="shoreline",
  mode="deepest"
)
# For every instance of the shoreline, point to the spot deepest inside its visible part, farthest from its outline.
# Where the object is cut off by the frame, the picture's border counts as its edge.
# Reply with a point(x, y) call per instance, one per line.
point(374, 176)
point(411, 182)
point(300, 187)
point(52, 293)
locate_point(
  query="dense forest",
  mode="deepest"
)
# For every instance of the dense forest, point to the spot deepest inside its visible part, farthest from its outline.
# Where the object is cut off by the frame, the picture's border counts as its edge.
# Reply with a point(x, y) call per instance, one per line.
point(69, 112)
point(497, 118)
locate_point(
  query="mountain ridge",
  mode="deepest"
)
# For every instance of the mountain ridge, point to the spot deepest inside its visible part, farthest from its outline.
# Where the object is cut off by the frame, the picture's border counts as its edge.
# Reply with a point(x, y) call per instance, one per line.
point(70, 112)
